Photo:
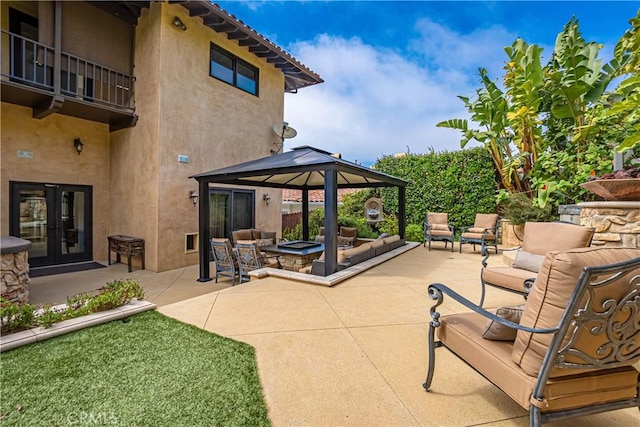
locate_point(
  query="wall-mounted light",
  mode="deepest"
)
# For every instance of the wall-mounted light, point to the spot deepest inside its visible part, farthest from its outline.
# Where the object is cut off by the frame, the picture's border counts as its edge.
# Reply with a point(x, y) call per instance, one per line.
point(266, 198)
point(177, 22)
point(78, 145)
point(193, 195)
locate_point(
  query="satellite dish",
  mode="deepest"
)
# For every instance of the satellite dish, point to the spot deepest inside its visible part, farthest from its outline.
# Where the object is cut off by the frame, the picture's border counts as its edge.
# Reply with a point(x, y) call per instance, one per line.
point(284, 131)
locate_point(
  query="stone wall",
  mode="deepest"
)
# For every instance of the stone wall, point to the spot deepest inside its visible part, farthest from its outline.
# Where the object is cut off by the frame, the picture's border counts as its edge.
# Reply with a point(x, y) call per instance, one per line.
point(617, 224)
point(14, 282)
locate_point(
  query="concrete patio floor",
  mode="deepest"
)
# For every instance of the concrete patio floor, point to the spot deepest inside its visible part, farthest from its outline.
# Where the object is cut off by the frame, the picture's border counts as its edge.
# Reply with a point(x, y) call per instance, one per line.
point(353, 354)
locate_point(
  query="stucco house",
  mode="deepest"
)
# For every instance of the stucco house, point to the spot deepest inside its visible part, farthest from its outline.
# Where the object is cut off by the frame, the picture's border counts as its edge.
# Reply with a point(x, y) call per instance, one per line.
point(109, 107)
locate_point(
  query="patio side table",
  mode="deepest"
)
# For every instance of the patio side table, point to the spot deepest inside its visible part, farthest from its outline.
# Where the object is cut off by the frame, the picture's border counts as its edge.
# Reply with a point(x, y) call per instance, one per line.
point(126, 245)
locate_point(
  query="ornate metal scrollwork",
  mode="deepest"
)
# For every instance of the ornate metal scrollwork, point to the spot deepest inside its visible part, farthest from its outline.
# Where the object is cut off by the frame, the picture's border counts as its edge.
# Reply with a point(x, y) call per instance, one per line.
point(435, 294)
point(617, 320)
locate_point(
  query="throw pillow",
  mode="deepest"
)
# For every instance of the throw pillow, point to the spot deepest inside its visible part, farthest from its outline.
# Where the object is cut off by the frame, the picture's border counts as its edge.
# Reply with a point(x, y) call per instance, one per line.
point(345, 241)
point(442, 227)
point(264, 242)
point(496, 332)
point(527, 261)
point(476, 230)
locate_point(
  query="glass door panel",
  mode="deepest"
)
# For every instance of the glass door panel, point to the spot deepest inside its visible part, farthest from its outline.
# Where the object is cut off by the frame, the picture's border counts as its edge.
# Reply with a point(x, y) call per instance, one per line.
point(220, 215)
point(242, 210)
point(230, 210)
point(73, 222)
point(57, 219)
point(33, 220)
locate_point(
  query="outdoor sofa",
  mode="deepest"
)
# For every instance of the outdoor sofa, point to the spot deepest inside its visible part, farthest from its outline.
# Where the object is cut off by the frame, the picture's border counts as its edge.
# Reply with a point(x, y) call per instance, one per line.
point(360, 253)
point(261, 237)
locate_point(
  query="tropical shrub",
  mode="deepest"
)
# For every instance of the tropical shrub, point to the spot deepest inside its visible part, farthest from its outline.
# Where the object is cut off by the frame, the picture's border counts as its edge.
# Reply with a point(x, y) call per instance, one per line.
point(555, 125)
point(414, 233)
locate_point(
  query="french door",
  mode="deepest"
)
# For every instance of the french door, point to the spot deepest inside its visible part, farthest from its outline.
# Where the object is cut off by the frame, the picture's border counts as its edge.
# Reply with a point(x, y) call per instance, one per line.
point(56, 218)
point(230, 210)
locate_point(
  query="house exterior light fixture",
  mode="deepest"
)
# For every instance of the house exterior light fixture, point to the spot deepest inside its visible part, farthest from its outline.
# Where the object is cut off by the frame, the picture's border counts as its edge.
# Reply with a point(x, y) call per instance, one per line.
point(78, 145)
point(177, 22)
point(193, 195)
point(266, 198)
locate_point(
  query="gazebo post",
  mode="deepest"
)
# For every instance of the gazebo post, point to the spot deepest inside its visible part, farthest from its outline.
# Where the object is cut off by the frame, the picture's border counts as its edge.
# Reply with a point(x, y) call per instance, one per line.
point(305, 213)
point(330, 222)
point(402, 219)
point(203, 227)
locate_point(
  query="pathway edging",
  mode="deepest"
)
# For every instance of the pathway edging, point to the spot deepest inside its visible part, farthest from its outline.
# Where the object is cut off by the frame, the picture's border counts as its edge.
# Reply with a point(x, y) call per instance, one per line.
point(18, 339)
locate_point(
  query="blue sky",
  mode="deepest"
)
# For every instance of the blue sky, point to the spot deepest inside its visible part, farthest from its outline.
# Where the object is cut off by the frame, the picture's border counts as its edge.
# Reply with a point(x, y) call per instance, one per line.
point(393, 69)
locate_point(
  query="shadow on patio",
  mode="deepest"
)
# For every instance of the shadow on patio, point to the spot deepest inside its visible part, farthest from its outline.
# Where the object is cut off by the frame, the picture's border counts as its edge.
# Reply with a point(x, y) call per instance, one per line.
point(353, 354)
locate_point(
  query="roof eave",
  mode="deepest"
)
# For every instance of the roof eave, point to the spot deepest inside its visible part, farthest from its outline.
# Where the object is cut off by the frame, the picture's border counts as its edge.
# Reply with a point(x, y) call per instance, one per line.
point(297, 75)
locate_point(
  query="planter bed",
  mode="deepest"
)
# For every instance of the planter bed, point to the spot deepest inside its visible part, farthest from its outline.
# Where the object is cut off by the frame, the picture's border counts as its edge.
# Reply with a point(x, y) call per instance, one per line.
point(18, 339)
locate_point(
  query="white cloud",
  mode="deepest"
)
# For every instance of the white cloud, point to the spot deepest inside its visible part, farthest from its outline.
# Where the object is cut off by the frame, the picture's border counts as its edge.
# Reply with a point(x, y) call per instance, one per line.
point(377, 101)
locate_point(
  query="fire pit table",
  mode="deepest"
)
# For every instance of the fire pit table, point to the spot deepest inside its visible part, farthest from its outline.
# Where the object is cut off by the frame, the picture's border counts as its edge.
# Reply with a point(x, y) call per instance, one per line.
point(295, 254)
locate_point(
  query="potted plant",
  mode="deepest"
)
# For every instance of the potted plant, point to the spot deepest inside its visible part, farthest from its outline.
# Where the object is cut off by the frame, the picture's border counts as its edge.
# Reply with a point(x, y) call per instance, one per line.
point(515, 210)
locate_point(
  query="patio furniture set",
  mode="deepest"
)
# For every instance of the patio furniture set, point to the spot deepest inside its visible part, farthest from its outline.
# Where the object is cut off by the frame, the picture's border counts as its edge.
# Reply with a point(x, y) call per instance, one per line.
point(569, 350)
point(245, 256)
point(483, 232)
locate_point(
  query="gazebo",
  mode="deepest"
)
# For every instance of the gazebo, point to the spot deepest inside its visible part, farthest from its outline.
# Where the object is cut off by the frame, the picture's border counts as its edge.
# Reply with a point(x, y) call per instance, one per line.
point(304, 168)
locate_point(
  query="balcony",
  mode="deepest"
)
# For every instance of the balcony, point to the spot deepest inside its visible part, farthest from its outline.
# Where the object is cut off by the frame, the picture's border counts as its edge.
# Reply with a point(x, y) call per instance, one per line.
point(85, 89)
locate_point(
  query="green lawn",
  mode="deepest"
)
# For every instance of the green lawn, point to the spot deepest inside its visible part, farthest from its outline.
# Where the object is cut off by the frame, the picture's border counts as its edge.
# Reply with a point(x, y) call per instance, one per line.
point(149, 371)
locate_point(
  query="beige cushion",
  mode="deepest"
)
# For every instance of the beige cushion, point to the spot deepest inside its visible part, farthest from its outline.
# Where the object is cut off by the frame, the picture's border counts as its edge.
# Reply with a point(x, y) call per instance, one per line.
point(507, 277)
point(438, 218)
point(242, 234)
point(348, 231)
point(528, 261)
point(392, 239)
point(441, 233)
point(376, 243)
point(443, 227)
point(346, 241)
point(319, 239)
point(476, 230)
point(255, 234)
point(542, 237)
point(488, 236)
point(497, 332)
point(485, 220)
point(548, 299)
point(268, 235)
point(462, 333)
point(344, 256)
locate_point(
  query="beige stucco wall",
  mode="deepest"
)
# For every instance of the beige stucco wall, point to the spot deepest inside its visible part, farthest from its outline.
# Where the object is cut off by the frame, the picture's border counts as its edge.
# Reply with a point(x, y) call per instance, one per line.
point(56, 161)
point(183, 111)
point(139, 187)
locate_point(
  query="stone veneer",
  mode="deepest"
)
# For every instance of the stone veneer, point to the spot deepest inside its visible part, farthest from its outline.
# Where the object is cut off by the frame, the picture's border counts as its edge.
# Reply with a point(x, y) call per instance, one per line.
point(617, 223)
point(14, 284)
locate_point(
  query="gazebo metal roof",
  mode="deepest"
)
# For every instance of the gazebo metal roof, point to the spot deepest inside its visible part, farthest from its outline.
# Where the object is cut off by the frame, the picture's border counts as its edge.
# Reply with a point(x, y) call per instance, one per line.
point(305, 168)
